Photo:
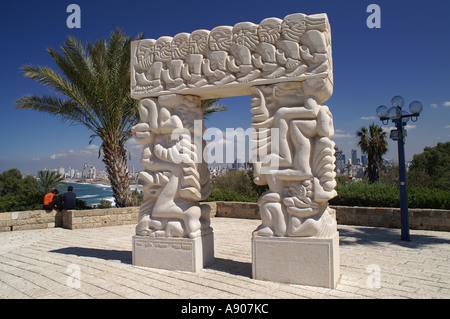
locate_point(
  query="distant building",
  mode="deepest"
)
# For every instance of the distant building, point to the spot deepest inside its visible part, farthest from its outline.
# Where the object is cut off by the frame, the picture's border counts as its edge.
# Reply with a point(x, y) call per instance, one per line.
point(71, 172)
point(340, 161)
point(89, 172)
point(364, 160)
point(354, 157)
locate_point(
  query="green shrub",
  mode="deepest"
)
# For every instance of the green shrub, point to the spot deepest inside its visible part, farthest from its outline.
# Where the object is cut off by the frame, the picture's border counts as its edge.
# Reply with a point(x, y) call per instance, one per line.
point(17, 193)
point(228, 195)
point(104, 204)
point(382, 195)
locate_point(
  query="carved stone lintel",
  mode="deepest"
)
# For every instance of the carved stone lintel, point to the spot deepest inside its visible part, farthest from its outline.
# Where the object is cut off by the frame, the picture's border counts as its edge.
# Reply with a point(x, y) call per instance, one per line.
point(212, 64)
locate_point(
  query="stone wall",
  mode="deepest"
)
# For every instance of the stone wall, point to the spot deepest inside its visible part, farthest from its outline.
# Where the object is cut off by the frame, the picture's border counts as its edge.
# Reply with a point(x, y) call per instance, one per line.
point(94, 218)
point(235, 210)
point(27, 220)
point(424, 219)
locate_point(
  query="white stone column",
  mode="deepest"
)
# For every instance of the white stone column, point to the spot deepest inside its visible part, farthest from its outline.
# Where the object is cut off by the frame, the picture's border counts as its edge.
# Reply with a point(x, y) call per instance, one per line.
point(173, 229)
point(297, 241)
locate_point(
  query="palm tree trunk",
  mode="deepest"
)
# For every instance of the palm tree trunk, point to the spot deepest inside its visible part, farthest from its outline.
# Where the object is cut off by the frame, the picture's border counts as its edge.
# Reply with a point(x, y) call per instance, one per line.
point(115, 159)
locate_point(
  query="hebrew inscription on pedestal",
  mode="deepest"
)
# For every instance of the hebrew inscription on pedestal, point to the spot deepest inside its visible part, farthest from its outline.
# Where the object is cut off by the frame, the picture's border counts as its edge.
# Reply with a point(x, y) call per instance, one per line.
point(285, 66)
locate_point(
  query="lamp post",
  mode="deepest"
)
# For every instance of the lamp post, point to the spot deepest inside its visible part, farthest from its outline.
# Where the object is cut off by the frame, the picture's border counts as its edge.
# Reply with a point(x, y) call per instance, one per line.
point(400, 118)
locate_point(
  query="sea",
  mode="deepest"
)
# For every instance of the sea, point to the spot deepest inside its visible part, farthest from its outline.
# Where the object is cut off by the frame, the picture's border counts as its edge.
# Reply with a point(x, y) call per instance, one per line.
point(92, 193)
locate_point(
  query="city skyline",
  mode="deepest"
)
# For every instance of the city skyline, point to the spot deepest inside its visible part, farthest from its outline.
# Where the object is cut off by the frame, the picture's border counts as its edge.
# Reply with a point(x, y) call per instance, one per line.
point(407, 56)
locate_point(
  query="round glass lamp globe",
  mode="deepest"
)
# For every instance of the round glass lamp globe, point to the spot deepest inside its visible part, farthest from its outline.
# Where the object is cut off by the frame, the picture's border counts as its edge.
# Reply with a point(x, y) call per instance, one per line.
point(405, 119)
point(415, 107)
point(382, 111)
point(394, 113)
point(398, 101)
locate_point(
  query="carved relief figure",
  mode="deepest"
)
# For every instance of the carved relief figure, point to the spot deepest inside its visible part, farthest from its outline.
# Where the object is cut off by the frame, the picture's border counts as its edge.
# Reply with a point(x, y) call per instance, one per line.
point(144, 71)
point(303, 180)
point(180, 50)
point(173, 181)
point(292, 29)
point(215, 65)
point(245, 40)
point(162, 56)
point(198, 42)
point(266, 57)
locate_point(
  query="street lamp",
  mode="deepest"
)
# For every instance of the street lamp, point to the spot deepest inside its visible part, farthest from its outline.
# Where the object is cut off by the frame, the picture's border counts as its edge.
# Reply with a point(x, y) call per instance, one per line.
point(400, 118)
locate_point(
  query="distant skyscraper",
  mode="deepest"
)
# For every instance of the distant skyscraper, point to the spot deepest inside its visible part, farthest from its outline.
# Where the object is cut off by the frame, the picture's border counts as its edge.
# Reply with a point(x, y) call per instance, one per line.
point(89, 171)
point(340, 161)
point(364, 160)
point(354, 157)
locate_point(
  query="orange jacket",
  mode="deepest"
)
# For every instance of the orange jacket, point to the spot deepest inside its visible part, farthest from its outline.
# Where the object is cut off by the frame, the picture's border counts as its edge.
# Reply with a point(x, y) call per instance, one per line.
point(48, 198)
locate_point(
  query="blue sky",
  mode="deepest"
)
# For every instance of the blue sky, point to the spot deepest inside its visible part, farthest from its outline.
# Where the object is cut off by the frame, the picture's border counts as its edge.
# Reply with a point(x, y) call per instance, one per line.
point(409, 56)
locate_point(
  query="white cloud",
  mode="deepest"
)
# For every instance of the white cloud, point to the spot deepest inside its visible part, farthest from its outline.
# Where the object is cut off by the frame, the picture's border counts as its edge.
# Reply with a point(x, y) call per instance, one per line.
point(366, 118)
point(338, 133)
point(447, 126)
point(36, 159)
point(434, 105)
point(58, 155)
point(92, 147)
point(410, 127)
point(446, 103)
point(71, 153)
point(346, 135)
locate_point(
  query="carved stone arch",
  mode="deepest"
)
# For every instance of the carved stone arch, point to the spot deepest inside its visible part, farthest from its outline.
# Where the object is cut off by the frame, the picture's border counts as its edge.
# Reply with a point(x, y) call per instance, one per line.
point(285, 66)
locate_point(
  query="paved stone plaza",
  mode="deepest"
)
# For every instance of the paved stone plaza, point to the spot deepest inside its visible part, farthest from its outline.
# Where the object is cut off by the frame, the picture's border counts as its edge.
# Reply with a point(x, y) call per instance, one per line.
point(375, 263)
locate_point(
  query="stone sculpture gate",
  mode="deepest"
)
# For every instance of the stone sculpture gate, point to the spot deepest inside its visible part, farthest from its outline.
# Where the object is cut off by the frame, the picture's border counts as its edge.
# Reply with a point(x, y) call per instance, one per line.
point(285, 65)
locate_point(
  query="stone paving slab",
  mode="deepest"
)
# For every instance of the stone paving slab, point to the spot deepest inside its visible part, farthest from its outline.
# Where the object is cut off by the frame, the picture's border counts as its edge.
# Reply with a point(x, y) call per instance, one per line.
point(375, 263)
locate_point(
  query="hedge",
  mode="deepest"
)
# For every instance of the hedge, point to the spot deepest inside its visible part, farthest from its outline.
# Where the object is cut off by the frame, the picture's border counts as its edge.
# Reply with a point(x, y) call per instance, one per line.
point(227, 195)
point(361, 194)
point(382, 195)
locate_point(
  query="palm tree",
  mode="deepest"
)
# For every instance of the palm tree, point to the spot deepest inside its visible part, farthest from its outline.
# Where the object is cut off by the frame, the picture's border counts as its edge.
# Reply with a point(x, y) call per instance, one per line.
point(93, 90)
point(373, 142)
point(50, 180)
point(210, 106)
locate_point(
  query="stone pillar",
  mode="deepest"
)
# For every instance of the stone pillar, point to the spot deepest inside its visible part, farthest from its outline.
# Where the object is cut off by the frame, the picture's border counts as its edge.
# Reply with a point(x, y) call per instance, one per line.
point(297, 241)
point(173, 230)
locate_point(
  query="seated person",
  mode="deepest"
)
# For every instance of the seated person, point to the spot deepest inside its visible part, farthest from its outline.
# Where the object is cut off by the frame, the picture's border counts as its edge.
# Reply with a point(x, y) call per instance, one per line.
point(69, 199)
point(51, 201)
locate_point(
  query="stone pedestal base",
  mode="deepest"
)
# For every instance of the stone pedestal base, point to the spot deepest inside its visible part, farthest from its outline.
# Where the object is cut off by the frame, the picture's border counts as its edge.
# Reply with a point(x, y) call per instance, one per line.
point(297, 260)
point(173, 253)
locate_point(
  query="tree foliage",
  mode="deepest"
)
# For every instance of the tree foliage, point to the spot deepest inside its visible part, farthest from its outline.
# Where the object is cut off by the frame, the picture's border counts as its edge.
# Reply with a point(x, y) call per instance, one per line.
point(92, 88)
point(373, 142)
point(50, 180)
point(210, 106)
point(431, 168)
point(17, 193)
